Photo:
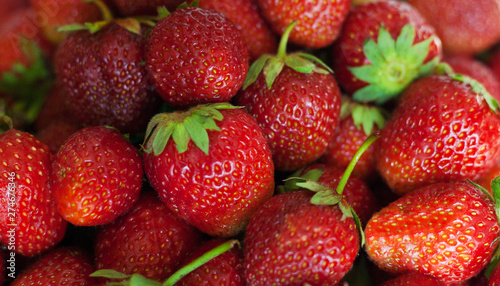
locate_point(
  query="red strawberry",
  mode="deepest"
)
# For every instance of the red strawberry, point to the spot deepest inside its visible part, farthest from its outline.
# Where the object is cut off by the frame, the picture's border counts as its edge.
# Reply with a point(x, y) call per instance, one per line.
point(196, 56)
point(96, 176)
point(9, 7)
point(485, 180)
point(212, 174)
point(54, 109)
point(245, 15)
point(28, 215)
point(494, 279)
point(465, 27)
point(55, 134)
point(413, 279)
point(223, 270)
point(319, 22)
point(150, 240)
point(443, 129)
point(54, 14)
point(62, 266)
point(296, 103)
point(144, 7)
point(445, 230)
point(103, 79)
point(384, 46)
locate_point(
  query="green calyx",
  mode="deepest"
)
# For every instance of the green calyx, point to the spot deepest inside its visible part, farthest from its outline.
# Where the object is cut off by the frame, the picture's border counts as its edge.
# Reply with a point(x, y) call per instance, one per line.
point(272, 65)
point(394, 65)
point(183, 127)
point(364, 116)
point(139, 280)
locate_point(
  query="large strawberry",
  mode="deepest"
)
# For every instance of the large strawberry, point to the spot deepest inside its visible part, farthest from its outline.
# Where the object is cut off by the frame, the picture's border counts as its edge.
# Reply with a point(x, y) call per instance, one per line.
point(319, 22)
point(195, 56)
point(384, 46)
point(445, 230)
point(443, 129)
point(296, 103)
point(96, 176)
point(212, 174)
point(28, 215)
point(150, 240)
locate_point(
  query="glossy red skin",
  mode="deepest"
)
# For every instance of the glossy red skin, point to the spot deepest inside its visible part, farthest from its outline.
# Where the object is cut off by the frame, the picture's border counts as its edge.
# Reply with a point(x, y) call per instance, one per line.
point(364, 22)
point(103, 78)
point(413, 279)
point(96, 176)
point(356, 192)
point(465, 27)
point(38, 226)
point(477, 70)
point(144, 7)
point(217, 192)
point(52, 14)
point(246, 16)
point(346, 141)
point(289, 239)
point(150, 240)
point(196, 56)
point(319, 22)
point(223, 270)
point(297, 115)
point(61, 266)
point(495, 277)
point(433, 230)
point(440, 131)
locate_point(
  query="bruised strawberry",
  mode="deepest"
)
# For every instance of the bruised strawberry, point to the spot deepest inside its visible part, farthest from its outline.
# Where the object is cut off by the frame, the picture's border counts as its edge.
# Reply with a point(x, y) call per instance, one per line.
point(96, 176)
point(196, 56)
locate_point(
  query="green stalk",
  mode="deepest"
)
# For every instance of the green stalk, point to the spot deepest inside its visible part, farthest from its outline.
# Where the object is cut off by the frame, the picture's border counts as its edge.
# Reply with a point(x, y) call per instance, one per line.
point(106, 12)
point(284, 41)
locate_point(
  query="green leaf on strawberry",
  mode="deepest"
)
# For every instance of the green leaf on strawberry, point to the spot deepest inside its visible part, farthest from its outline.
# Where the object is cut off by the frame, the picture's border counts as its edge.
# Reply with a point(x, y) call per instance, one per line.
point(364, 116)
point(394, 65)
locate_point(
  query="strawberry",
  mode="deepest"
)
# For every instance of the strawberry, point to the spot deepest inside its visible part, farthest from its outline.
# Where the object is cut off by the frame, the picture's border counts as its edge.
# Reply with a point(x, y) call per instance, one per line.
point(384, 46)
point(53, 14)
point(494, 279)
point(150, 240)
point(54, 109)
point(245, 15)
point(196, 56)
point(296, 102)
point(10, 6)
point(319, 22)
point(442, 129)
point(103, 80)
point(485, 180)
point(61, 266)
point(223, 270)
point(413, 279)
point(214, 175)
point(143, 7)
point(465, 27)
point(96, 176)
point(55, 134)
point(28, 215)
point(446, 230)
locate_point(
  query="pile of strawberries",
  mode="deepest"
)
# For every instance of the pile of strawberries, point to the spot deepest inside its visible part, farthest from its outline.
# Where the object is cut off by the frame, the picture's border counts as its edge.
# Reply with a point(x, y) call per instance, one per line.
point(249, 142)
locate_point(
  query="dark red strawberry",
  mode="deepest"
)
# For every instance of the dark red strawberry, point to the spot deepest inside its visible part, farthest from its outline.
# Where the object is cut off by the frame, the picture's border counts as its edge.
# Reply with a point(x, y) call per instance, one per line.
point(144, 7)
point(465, 27)
point(212, 174)
point(319, 22)
point(223, 270)
point(296, 103)
point(413, 279)
point(150, 240)
point(28, 215)
point(384, 46)
point(443, 129)
point(445, 230)
point(54, 109)
point(104, 80)
point(196, 56)
point(246, 16)
point(96, 176)
point(55, 134)
point(62, 266)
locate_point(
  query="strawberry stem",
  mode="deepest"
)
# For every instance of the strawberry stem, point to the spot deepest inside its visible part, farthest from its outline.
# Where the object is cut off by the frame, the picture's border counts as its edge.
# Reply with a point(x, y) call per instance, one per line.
point(174, 278)
point(354, 161)
point(105, 11)
point(284, 41)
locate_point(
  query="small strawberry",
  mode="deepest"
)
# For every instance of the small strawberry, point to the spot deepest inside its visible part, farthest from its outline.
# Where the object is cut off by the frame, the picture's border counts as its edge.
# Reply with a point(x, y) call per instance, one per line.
point(196, 56)
point(296, 102)
point(96, 176)
point(465, 27)
point(444, 128)
point(245, 15)
point(445, 230)
point(319, 22)
point(384, 46)
point(413, 279)
point(150, 240)
point(61, 266)
point(214, 175)
point(28, 215)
